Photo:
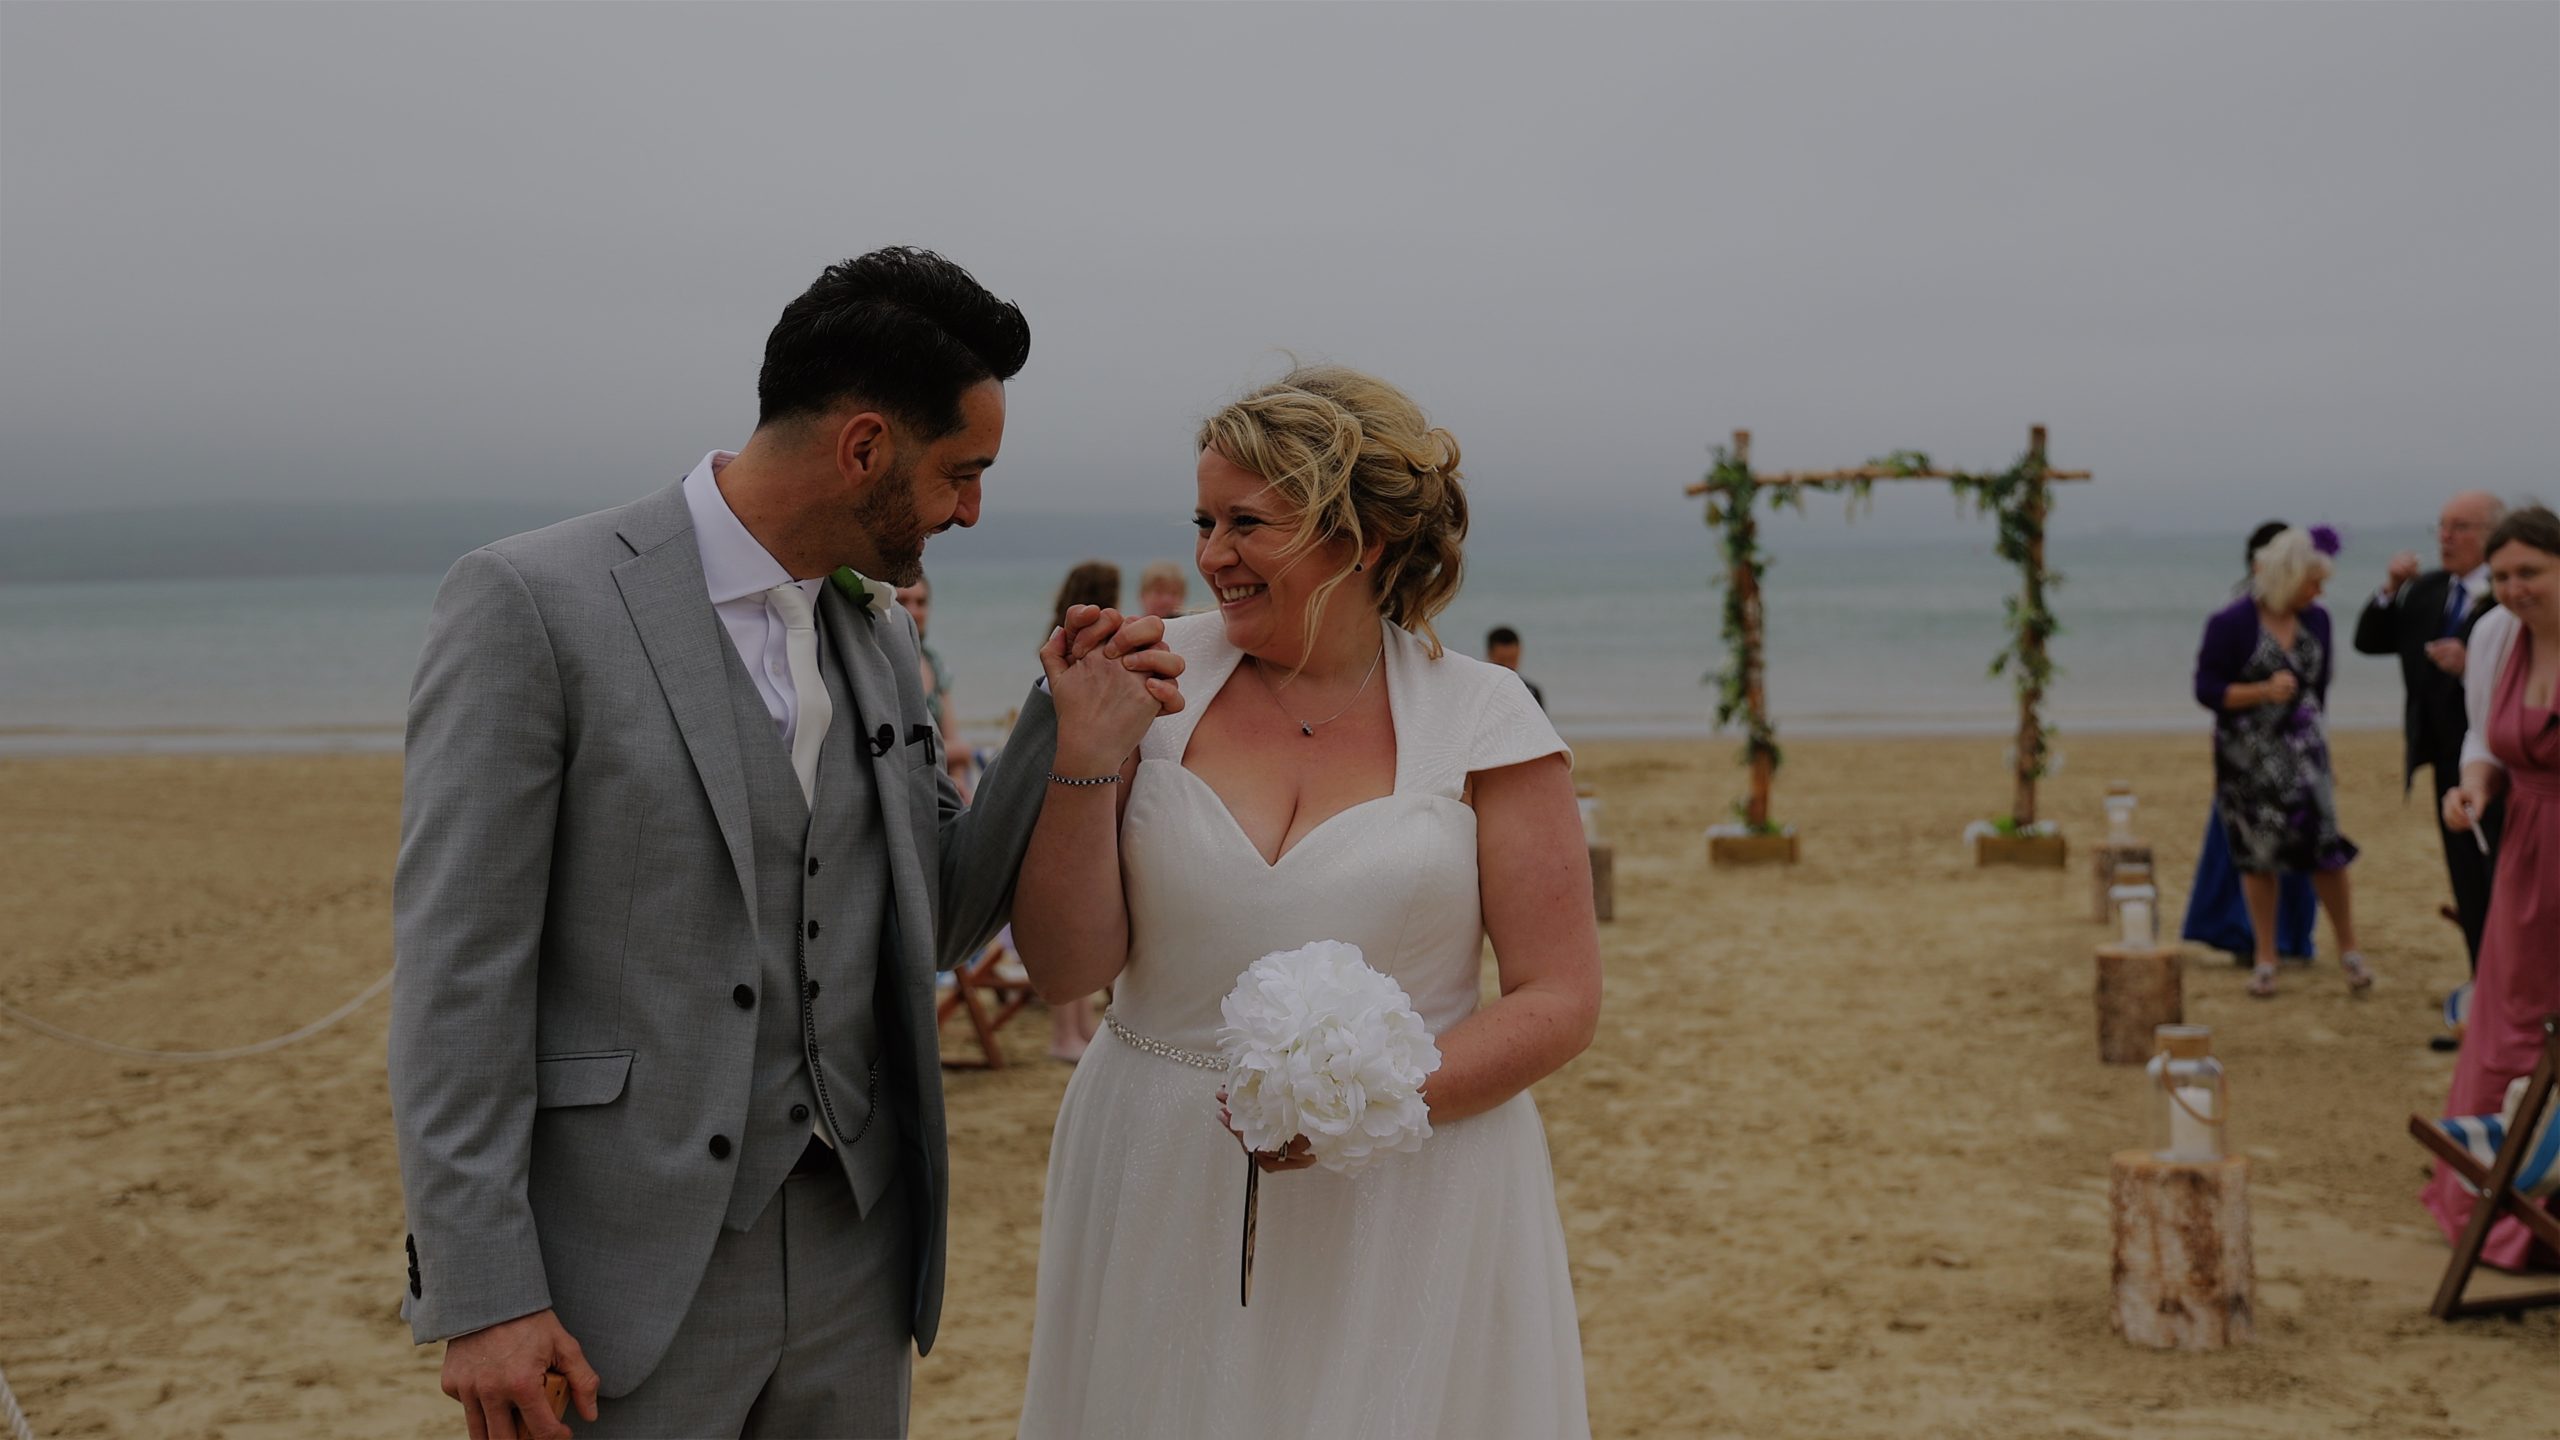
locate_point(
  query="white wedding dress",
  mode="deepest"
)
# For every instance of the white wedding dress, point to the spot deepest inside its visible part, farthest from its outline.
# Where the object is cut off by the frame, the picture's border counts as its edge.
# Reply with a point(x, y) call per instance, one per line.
point(1426, 1296)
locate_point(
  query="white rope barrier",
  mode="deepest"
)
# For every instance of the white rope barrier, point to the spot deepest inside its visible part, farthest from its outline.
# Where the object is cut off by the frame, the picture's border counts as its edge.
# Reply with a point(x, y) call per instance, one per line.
point(194, 1057)
point(18, 1429)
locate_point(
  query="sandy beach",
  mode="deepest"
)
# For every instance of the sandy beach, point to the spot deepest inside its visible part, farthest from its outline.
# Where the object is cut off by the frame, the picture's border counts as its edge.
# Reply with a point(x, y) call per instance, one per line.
point(1835, 1167)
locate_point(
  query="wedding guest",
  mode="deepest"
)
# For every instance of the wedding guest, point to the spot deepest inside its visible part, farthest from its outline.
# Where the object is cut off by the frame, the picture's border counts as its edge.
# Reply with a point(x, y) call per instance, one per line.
point(2264, 669)
point(1502, 647)
point(2216, 915)
point(2511, 748)
point(917, 600)
point(2426, 620)
point(1162, 590)
point(1096, 583)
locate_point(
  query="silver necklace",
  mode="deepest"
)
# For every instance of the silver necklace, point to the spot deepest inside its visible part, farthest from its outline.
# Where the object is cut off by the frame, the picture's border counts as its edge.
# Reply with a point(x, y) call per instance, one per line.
point(1305, 728)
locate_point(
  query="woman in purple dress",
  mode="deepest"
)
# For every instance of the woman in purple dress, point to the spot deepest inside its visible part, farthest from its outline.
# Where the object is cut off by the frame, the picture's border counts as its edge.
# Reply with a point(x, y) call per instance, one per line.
point(2263, 670)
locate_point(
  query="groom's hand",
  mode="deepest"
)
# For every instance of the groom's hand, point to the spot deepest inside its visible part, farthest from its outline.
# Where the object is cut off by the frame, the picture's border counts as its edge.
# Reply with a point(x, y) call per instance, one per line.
point(497, 1375)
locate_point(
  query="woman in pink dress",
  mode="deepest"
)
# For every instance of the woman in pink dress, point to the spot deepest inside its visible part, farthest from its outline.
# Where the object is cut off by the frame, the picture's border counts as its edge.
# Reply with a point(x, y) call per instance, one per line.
point(2519, 979)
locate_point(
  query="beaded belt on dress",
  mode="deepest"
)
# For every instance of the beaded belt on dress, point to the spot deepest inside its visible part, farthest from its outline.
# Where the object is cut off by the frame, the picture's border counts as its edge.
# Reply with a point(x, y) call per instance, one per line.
point(1158, 1048)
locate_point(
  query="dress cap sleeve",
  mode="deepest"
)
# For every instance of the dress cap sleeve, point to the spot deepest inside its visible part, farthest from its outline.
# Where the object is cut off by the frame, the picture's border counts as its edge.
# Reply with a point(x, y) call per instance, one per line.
point(1511, 728)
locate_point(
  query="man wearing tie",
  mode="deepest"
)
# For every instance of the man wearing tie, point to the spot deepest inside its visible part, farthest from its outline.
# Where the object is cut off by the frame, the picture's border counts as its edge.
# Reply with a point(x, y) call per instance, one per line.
point(2426, 620)
point(678, 861)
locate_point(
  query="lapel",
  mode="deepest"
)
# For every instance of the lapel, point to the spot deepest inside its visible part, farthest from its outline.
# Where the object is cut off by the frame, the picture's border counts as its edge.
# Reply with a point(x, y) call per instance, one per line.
point(873, 681)
point(670, 605)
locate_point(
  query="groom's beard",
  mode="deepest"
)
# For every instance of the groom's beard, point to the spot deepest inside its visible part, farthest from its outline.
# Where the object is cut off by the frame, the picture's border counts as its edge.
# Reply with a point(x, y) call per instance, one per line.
point(887, 518)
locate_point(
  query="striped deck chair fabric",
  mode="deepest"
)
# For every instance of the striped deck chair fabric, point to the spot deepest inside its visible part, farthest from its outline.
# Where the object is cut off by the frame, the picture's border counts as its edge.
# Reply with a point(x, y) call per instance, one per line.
point(2481, 1136)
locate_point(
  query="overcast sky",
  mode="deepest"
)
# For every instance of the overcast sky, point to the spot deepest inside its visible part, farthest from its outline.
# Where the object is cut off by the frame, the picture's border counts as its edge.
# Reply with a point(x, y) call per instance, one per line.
point(2275, 258)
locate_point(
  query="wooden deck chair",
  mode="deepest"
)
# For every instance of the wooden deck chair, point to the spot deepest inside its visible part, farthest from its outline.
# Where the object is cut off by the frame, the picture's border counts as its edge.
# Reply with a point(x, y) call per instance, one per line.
point(992, 989)
point(2510, 1161)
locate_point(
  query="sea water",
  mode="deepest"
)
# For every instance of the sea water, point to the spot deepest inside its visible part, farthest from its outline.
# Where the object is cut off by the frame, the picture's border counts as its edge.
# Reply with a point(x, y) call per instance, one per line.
point(1870, 638)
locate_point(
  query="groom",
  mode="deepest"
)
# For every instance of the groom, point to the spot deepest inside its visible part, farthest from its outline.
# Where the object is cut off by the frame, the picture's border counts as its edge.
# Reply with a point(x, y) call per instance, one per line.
point(678, 861)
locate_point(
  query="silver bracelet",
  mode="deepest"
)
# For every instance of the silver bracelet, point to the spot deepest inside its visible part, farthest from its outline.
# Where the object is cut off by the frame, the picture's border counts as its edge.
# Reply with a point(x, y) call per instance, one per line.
point(1111, 779)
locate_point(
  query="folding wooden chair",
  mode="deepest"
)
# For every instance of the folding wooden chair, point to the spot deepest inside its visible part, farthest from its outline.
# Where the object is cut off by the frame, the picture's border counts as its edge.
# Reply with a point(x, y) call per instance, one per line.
point(991, 987)
point(2526, 1161)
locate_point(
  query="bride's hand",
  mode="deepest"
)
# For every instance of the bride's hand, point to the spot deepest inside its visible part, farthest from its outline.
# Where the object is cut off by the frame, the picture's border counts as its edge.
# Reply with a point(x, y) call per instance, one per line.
point(1299, 1155)
point(1109, 680)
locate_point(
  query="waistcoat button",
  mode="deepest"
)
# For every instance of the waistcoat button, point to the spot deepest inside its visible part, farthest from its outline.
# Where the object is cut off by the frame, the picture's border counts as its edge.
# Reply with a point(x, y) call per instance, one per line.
point(745, 995)
point(813, 929)
point(813, 865)
point(719, 1147)
point(799, 1114)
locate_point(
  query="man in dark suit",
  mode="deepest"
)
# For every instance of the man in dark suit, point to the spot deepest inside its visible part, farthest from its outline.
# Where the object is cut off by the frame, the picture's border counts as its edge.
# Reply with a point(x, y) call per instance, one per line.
point(2426, 620)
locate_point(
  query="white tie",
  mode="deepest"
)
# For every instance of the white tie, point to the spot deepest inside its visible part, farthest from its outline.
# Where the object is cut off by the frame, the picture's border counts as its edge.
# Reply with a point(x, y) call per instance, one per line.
point(810, 707)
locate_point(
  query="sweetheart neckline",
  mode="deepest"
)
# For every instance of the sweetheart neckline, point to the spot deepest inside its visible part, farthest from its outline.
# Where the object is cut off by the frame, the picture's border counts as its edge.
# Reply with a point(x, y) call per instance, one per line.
point(1236, 828)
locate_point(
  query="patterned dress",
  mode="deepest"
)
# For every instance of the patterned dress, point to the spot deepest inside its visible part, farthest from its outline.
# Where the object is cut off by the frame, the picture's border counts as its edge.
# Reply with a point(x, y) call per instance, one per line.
point(2272, 782)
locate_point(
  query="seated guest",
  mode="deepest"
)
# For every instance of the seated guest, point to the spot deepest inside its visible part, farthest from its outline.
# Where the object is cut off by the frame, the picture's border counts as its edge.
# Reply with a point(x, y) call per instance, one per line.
point(2512, 749)
point(2216, 915)
point(1502, 647)
point(2264, 669)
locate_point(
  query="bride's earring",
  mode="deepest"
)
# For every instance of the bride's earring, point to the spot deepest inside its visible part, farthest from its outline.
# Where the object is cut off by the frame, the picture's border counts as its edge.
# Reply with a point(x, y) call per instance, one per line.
point(1357, 567)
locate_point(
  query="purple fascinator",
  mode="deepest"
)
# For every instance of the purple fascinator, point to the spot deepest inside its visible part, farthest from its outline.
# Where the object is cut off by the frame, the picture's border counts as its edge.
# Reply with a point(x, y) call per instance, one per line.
point(2324, 538)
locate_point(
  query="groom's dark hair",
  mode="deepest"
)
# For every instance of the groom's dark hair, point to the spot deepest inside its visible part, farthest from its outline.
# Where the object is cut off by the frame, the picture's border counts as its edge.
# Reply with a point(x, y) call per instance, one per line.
point(900, 329)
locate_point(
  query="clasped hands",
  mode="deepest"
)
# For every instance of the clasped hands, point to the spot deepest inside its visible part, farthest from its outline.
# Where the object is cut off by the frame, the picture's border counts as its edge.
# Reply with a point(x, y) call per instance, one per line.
point(1110, 677)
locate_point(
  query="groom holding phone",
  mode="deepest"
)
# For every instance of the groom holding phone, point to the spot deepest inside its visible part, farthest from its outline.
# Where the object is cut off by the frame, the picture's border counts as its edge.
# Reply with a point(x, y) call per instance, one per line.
point(678, 861)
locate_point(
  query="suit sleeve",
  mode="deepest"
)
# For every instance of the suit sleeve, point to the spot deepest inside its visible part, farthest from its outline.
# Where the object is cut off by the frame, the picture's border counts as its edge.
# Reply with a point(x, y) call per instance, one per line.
point(486, 748)
point(2378, 627)
point(983, 844)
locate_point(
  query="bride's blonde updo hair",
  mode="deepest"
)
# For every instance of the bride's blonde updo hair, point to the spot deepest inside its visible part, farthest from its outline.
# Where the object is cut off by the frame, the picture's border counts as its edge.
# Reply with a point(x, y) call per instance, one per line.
point(1355, 459)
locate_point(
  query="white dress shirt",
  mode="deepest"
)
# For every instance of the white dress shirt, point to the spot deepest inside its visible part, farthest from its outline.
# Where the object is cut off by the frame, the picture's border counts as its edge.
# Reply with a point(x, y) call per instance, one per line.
point(737, 570)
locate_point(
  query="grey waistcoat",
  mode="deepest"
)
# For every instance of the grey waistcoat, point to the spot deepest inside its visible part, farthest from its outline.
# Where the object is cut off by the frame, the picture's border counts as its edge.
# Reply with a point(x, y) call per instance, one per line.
point(818, 949)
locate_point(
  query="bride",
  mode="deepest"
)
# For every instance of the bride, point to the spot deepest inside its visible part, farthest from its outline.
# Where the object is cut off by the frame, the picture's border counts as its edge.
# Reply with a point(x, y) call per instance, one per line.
point(1333, 775)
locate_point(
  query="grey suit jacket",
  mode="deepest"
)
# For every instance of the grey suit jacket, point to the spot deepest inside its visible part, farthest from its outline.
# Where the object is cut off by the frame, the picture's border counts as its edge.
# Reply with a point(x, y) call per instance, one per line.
point(575, 890)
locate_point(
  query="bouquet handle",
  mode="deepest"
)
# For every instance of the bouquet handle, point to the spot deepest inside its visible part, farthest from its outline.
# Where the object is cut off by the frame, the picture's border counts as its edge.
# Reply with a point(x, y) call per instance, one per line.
point(1252, 1212)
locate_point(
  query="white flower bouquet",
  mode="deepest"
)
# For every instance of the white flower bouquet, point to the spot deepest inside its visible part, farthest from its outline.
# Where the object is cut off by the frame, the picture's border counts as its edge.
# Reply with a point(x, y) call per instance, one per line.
point(1319, 1045)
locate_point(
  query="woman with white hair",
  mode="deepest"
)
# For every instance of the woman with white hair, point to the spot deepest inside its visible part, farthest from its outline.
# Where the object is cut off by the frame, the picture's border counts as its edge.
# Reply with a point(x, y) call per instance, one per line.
point(2263, 670)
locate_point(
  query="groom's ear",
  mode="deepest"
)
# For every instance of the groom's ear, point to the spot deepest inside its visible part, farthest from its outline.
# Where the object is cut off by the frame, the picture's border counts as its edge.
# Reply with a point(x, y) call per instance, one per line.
point(866, 447)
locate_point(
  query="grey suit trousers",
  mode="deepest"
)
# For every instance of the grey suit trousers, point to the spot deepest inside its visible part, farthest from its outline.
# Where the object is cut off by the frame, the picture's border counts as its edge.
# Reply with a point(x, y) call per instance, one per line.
point(801, 1331)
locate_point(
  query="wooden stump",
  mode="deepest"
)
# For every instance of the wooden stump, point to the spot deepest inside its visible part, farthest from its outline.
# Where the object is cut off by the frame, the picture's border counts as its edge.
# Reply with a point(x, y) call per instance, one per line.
point(2138, 990)
point(1604, 880)
point(1751, 849)
point(2184, 1278)
point(2103, 863)
point(2030, 852)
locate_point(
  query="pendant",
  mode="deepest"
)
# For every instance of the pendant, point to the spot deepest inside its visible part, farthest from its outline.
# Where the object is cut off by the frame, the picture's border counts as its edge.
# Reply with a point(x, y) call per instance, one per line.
point(1306, 729)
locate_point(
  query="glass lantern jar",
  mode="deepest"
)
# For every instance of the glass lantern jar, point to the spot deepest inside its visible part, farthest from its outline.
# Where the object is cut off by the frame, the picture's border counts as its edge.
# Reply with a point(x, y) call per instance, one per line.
point(2120, 805)
point(2189, 1094)
point(2136, 902)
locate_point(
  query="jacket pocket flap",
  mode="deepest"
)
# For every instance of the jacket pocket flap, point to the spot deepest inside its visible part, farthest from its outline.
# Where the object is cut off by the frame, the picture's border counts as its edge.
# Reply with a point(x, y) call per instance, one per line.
point(590, 1079)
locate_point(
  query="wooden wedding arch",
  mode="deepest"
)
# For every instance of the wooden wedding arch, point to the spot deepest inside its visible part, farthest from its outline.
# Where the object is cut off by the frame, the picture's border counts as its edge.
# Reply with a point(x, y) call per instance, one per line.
point(2019, 498)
